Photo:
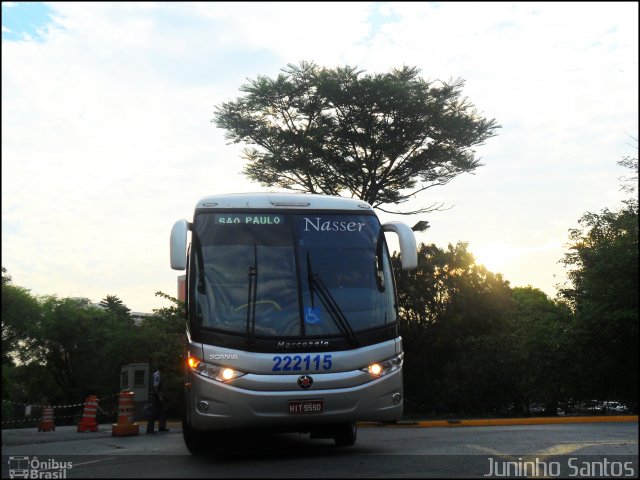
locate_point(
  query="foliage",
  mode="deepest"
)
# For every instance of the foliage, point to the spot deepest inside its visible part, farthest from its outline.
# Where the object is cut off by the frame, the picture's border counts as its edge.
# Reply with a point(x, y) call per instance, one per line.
point(539, 349)
point(6, 278)
point(381, 137)
point(67, 349)
point(603, 292)
point(630, 184)
point(28, 384)
point(164, 340)
point(74, 340)
point(20, 311)
point(454, 327)
point(113, 304)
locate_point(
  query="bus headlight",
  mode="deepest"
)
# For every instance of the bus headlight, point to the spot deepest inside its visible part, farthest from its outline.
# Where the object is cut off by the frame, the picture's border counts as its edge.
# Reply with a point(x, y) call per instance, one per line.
point(379, 369)
point(215, 372)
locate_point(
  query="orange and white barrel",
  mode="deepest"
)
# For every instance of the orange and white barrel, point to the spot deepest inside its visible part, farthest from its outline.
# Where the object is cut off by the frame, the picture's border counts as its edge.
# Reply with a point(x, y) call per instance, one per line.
point(46, 422)
point(125, 425)
point(88, 422)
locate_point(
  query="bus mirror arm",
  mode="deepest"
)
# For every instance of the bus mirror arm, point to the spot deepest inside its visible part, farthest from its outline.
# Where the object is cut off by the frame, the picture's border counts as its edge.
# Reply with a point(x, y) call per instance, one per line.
point(178, 245)
point(407, 240)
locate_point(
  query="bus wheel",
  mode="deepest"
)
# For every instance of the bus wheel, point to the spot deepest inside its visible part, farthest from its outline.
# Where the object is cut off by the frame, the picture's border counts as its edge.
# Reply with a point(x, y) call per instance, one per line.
point(195, 440)
point(346, 434)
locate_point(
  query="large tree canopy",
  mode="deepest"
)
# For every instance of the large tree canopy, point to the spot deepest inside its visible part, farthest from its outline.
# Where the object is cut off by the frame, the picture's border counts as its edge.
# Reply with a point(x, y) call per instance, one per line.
point(603, 291)
point(455, 332)
point(381, 137)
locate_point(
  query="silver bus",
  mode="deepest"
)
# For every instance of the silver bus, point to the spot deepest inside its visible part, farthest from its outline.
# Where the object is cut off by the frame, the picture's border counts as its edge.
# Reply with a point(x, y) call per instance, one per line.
point(292, 321)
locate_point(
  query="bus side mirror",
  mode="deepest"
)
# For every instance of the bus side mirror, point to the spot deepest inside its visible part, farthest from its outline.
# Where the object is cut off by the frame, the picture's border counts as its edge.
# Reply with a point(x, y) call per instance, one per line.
point(407, 241)
point(178, 245)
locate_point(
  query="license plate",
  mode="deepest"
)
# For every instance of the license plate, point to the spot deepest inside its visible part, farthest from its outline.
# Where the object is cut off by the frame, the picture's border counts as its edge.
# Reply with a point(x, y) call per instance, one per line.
point(301, 407)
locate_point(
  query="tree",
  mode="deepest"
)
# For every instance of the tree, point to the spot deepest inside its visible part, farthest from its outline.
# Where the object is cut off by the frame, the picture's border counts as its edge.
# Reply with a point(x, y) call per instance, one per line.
point(630, 184)
point(455, 328)
point(68, 348)
point(114, 305)
point(381, 137)
point(20, 310)
point(6, 278)
point(70, 342)
point(163, 342)
point(80, 347)
point(538, 344)
point(603, 292)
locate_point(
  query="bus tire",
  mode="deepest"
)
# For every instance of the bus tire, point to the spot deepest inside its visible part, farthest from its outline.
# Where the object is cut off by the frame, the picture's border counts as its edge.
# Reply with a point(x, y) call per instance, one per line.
point(346, 434)
point(195, 440)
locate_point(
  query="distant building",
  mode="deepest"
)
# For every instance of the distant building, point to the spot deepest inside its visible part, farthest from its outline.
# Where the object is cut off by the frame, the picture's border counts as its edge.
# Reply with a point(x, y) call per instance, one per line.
point(139, 316)
point(182, 287)
point(136, 316)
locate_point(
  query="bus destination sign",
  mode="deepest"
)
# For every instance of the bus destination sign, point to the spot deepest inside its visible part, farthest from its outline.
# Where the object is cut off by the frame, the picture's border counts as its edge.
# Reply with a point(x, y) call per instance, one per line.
point(246, 219)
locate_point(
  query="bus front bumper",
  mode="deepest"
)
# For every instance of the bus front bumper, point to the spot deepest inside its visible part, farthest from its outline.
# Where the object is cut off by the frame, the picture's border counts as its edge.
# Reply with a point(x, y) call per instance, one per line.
point(213, 405)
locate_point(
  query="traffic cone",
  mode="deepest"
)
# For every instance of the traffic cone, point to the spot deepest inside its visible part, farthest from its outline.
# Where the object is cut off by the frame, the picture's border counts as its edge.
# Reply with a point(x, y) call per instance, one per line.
point(125, 425)
point(46, 422)
point(88, 422)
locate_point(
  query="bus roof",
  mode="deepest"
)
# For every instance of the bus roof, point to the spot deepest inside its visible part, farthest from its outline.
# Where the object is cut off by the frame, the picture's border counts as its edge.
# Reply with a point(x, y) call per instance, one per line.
point(302, 201)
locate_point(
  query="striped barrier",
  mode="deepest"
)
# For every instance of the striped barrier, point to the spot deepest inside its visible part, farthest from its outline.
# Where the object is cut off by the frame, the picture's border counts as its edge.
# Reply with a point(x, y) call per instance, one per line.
point(46, 422)
point(88, 422)
point(57, 407)
point(125, 425)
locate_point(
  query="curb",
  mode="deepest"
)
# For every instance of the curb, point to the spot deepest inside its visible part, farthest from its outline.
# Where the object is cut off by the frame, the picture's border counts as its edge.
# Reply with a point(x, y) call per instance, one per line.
point(502, 421)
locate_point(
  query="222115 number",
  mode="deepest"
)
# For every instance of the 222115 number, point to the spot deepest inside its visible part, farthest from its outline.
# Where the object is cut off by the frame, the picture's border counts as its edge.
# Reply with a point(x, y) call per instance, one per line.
point(298, 363)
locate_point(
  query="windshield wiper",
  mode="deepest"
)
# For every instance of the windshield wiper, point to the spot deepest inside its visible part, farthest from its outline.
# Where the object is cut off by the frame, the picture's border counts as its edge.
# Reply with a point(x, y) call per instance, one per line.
point(335, 312)
point(252, 273)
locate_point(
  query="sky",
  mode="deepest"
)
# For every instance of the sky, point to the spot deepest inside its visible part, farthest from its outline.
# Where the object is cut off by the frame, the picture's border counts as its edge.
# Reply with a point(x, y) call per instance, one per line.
point(107, 137)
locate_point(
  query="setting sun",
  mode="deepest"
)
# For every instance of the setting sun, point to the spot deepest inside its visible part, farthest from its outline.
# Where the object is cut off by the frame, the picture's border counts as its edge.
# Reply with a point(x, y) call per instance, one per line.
point(494, 256)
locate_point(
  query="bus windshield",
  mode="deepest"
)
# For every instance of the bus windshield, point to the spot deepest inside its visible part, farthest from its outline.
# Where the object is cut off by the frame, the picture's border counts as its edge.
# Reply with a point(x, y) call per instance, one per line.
point(291, 274)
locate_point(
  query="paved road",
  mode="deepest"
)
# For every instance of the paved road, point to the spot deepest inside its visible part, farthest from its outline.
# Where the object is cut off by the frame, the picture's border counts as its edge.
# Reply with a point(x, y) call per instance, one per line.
point(399, 451)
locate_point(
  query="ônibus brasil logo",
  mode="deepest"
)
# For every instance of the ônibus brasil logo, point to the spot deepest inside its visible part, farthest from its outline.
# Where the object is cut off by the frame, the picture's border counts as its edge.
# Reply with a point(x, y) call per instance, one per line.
point(27, 467)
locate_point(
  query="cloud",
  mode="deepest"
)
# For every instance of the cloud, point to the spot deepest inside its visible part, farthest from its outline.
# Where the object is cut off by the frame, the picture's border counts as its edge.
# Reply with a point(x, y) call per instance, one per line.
point(107, 139)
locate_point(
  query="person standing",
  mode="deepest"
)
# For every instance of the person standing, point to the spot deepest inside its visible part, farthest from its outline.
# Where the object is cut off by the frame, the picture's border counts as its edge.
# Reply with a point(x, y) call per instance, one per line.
point(156, 397)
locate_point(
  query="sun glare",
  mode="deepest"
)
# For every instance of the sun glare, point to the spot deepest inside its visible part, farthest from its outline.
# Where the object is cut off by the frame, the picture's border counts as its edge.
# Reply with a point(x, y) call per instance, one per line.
point(494, 257)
